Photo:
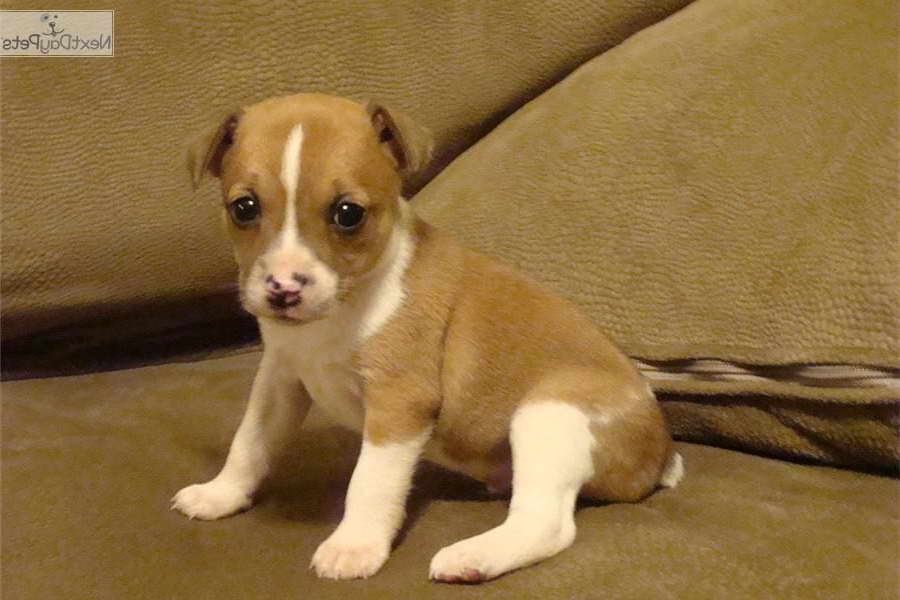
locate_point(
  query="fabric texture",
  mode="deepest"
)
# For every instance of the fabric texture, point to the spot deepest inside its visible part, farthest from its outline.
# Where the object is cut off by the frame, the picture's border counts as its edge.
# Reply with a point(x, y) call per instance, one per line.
point(99, 224)
point(721, 185)
point(858, 436)
point(840, 380)
point(751, 411)
point(90, 462)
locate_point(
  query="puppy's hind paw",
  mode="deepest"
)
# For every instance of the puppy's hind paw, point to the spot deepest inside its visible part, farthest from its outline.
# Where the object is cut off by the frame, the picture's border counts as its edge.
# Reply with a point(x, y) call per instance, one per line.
point(211, 500)
point(455, 565)
point(498, 551)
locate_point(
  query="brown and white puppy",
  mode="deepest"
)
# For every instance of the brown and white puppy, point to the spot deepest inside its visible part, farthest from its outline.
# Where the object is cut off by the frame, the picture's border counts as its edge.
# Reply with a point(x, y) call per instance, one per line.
point(426, 348)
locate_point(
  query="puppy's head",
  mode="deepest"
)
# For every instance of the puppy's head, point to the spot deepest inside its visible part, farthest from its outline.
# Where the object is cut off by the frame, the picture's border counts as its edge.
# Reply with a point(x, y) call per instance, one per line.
point(310, 196)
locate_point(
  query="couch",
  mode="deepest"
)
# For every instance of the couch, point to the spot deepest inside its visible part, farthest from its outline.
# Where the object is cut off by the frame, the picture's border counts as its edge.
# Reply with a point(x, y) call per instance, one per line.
point(715, 182)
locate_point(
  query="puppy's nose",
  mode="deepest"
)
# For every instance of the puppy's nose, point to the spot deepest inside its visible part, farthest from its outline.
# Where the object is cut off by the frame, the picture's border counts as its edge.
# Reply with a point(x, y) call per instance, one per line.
point(285, 292)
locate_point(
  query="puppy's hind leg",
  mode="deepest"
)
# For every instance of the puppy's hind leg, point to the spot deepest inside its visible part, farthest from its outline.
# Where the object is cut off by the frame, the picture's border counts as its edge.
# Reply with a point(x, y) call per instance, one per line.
point(551, 446)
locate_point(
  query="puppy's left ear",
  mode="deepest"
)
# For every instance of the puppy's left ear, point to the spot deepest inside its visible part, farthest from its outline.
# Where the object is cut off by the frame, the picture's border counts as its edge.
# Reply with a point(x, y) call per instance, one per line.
point(207, 149)
point(407, 144)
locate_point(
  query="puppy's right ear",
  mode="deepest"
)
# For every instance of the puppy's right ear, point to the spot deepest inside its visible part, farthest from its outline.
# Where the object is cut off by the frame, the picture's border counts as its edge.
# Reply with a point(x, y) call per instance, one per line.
point(207, 149)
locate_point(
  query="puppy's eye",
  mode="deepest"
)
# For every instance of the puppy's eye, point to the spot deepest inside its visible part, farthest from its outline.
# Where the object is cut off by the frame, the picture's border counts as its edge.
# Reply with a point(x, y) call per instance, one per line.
point(347, 216)
point(245, 211)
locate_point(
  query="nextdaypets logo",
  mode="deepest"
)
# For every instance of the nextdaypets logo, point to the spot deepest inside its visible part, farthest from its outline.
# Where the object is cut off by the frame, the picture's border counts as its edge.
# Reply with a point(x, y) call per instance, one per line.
point(50, 20)
point(56, 33)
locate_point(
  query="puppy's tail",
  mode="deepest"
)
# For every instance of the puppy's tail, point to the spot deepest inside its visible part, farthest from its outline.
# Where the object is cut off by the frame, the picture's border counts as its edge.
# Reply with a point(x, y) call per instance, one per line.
point(674, 471)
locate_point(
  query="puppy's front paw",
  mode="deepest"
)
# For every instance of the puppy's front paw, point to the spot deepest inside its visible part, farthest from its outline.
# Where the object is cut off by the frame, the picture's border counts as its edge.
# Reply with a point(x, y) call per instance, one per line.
point(345, 555)
point(211, 500)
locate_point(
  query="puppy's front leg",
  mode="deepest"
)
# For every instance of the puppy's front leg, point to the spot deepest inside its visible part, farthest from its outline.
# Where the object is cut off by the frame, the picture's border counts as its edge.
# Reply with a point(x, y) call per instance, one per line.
point(374, 508)
point(278, 403)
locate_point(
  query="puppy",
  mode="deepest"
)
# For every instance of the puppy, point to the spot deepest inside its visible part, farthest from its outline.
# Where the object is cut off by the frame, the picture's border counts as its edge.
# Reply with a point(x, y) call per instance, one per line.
point(428, 349)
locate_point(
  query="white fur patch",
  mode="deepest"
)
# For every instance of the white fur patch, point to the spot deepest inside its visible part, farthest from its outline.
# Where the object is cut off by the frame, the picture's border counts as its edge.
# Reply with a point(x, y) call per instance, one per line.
point(551, 444)
point(674, 471)
point(211, 500)
point(276, 405)
point(290, 179)
point(374, 510)
point(387, 293)
point(321, 351)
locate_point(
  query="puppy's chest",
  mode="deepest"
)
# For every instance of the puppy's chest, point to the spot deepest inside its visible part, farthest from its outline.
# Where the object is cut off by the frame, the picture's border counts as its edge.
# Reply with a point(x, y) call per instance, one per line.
point(325, 365)
point(338, 390)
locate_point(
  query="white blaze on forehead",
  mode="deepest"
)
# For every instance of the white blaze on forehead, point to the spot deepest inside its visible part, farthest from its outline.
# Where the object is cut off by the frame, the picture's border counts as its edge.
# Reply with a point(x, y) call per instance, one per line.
point(290, 178)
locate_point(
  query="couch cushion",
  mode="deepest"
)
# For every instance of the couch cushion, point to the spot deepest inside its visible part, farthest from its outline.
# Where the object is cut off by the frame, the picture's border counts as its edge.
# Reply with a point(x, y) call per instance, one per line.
point(720, 188)
point(90, 462)
point(721, 185)
point(99, 224)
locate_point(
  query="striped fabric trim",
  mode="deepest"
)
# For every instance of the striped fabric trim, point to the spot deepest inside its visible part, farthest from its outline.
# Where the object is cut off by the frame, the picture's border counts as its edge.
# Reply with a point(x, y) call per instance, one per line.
point(828, 376)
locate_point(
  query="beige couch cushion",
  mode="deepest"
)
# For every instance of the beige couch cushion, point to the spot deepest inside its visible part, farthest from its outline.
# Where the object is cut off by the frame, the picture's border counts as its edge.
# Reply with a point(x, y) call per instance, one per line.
point(90, 462)
point(723, 185)
point(99, 225)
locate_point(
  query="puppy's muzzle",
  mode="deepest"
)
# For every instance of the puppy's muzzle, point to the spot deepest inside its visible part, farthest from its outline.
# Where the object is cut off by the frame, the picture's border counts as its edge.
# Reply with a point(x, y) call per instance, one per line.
point(285, 293)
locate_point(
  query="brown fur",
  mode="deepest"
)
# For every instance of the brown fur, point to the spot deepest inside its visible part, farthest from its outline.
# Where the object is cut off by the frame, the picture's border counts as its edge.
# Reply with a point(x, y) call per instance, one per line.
point(341, 154)
point(478, 340)
point(473, 339)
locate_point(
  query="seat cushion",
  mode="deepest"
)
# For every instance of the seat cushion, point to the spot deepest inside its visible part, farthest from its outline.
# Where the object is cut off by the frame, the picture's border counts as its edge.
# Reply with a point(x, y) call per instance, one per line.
point(90, 462)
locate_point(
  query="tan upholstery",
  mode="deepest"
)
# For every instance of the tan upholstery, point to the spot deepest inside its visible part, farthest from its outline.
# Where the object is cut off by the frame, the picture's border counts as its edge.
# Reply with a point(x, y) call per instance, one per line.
point(90, 462)
point(722, 185)
point(98, 218)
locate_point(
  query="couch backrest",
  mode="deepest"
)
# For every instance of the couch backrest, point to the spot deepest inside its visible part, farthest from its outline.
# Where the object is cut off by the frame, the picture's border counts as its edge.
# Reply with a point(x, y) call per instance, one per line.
point(720, 193)
point(99, 224)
